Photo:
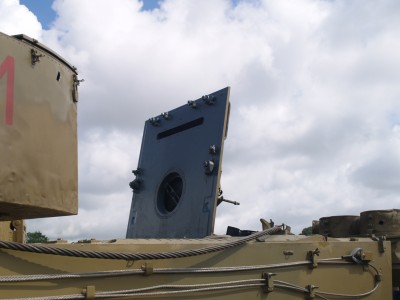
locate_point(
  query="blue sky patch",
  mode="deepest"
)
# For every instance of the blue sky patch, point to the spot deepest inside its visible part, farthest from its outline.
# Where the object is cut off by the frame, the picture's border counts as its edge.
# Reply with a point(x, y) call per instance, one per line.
point(42, 9)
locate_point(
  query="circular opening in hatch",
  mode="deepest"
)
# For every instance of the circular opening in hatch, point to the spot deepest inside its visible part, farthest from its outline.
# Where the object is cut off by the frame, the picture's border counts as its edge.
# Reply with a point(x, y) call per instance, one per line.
point(169, 193)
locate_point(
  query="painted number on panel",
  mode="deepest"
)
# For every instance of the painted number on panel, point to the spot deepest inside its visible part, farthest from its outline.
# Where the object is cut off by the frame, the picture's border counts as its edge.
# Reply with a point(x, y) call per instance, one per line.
point(7, 70)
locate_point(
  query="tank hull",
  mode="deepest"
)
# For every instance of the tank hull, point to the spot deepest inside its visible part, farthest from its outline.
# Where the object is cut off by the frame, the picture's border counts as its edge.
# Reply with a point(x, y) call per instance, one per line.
point(243, 272)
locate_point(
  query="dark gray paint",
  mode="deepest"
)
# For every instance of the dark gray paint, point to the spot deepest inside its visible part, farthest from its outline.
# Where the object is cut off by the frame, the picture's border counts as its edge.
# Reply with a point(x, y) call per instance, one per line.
point(181, 150)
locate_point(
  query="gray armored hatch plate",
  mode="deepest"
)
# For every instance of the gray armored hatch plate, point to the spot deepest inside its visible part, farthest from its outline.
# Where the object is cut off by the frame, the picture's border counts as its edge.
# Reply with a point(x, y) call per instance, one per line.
point(177, 180)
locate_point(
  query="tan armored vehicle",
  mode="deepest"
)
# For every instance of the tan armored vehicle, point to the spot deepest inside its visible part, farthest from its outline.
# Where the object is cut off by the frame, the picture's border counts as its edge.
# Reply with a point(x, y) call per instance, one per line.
point(170, 251)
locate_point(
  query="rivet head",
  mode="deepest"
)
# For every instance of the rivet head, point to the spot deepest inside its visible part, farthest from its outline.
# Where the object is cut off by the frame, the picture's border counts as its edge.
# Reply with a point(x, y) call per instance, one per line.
point(208, 167)
point(137, 171)
point(210, 100)
point(212, 149)
point(135, 185)
point(192, 104)
point(166, 115)
point(154, 121)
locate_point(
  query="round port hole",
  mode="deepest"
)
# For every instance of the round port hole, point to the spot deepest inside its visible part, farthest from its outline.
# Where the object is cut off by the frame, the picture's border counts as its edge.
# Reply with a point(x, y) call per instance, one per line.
point(169, 193)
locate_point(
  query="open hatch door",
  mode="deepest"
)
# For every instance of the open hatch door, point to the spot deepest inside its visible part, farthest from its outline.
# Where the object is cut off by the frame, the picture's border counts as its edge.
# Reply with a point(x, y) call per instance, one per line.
point(177, 180)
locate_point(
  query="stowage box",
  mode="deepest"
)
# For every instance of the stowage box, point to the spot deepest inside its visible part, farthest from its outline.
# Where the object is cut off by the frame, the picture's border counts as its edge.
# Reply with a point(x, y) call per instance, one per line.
point(38, 131)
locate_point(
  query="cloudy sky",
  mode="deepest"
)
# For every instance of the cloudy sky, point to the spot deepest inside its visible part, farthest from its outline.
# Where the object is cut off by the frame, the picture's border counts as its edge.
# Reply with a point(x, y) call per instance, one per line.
point(315, 94)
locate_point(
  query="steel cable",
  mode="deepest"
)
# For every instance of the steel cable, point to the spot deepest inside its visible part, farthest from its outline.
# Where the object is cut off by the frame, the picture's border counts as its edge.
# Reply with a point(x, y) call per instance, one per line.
point(135, 256)
point(115, 273)
point(196, 288)
point(183, 286)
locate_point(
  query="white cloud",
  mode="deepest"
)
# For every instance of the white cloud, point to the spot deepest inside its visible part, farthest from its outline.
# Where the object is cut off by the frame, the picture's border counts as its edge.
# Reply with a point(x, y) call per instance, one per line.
point(106, 161)
point(315, 100)
point(17, 19)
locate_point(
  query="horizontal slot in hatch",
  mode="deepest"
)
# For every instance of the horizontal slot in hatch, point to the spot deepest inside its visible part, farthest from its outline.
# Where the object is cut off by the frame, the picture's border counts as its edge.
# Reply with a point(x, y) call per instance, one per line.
point(180, 128)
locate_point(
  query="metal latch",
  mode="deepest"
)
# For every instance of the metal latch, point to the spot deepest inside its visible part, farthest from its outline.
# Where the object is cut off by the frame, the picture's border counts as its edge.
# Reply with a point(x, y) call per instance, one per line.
point(35, 57)
point(310, 293)
point(312, 256)
point(381, 242)
point(147, 269)
point(359, 256)
point(269, 282)
point(89, 292)
point(75, 83)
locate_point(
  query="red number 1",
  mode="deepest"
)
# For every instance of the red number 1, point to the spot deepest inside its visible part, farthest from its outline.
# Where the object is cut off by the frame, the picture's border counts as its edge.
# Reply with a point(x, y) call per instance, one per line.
point(7, 67)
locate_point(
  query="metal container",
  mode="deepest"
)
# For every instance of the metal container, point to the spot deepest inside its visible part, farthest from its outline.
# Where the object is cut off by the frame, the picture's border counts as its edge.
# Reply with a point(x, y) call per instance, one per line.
point(380, 222)
point(339, 226)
